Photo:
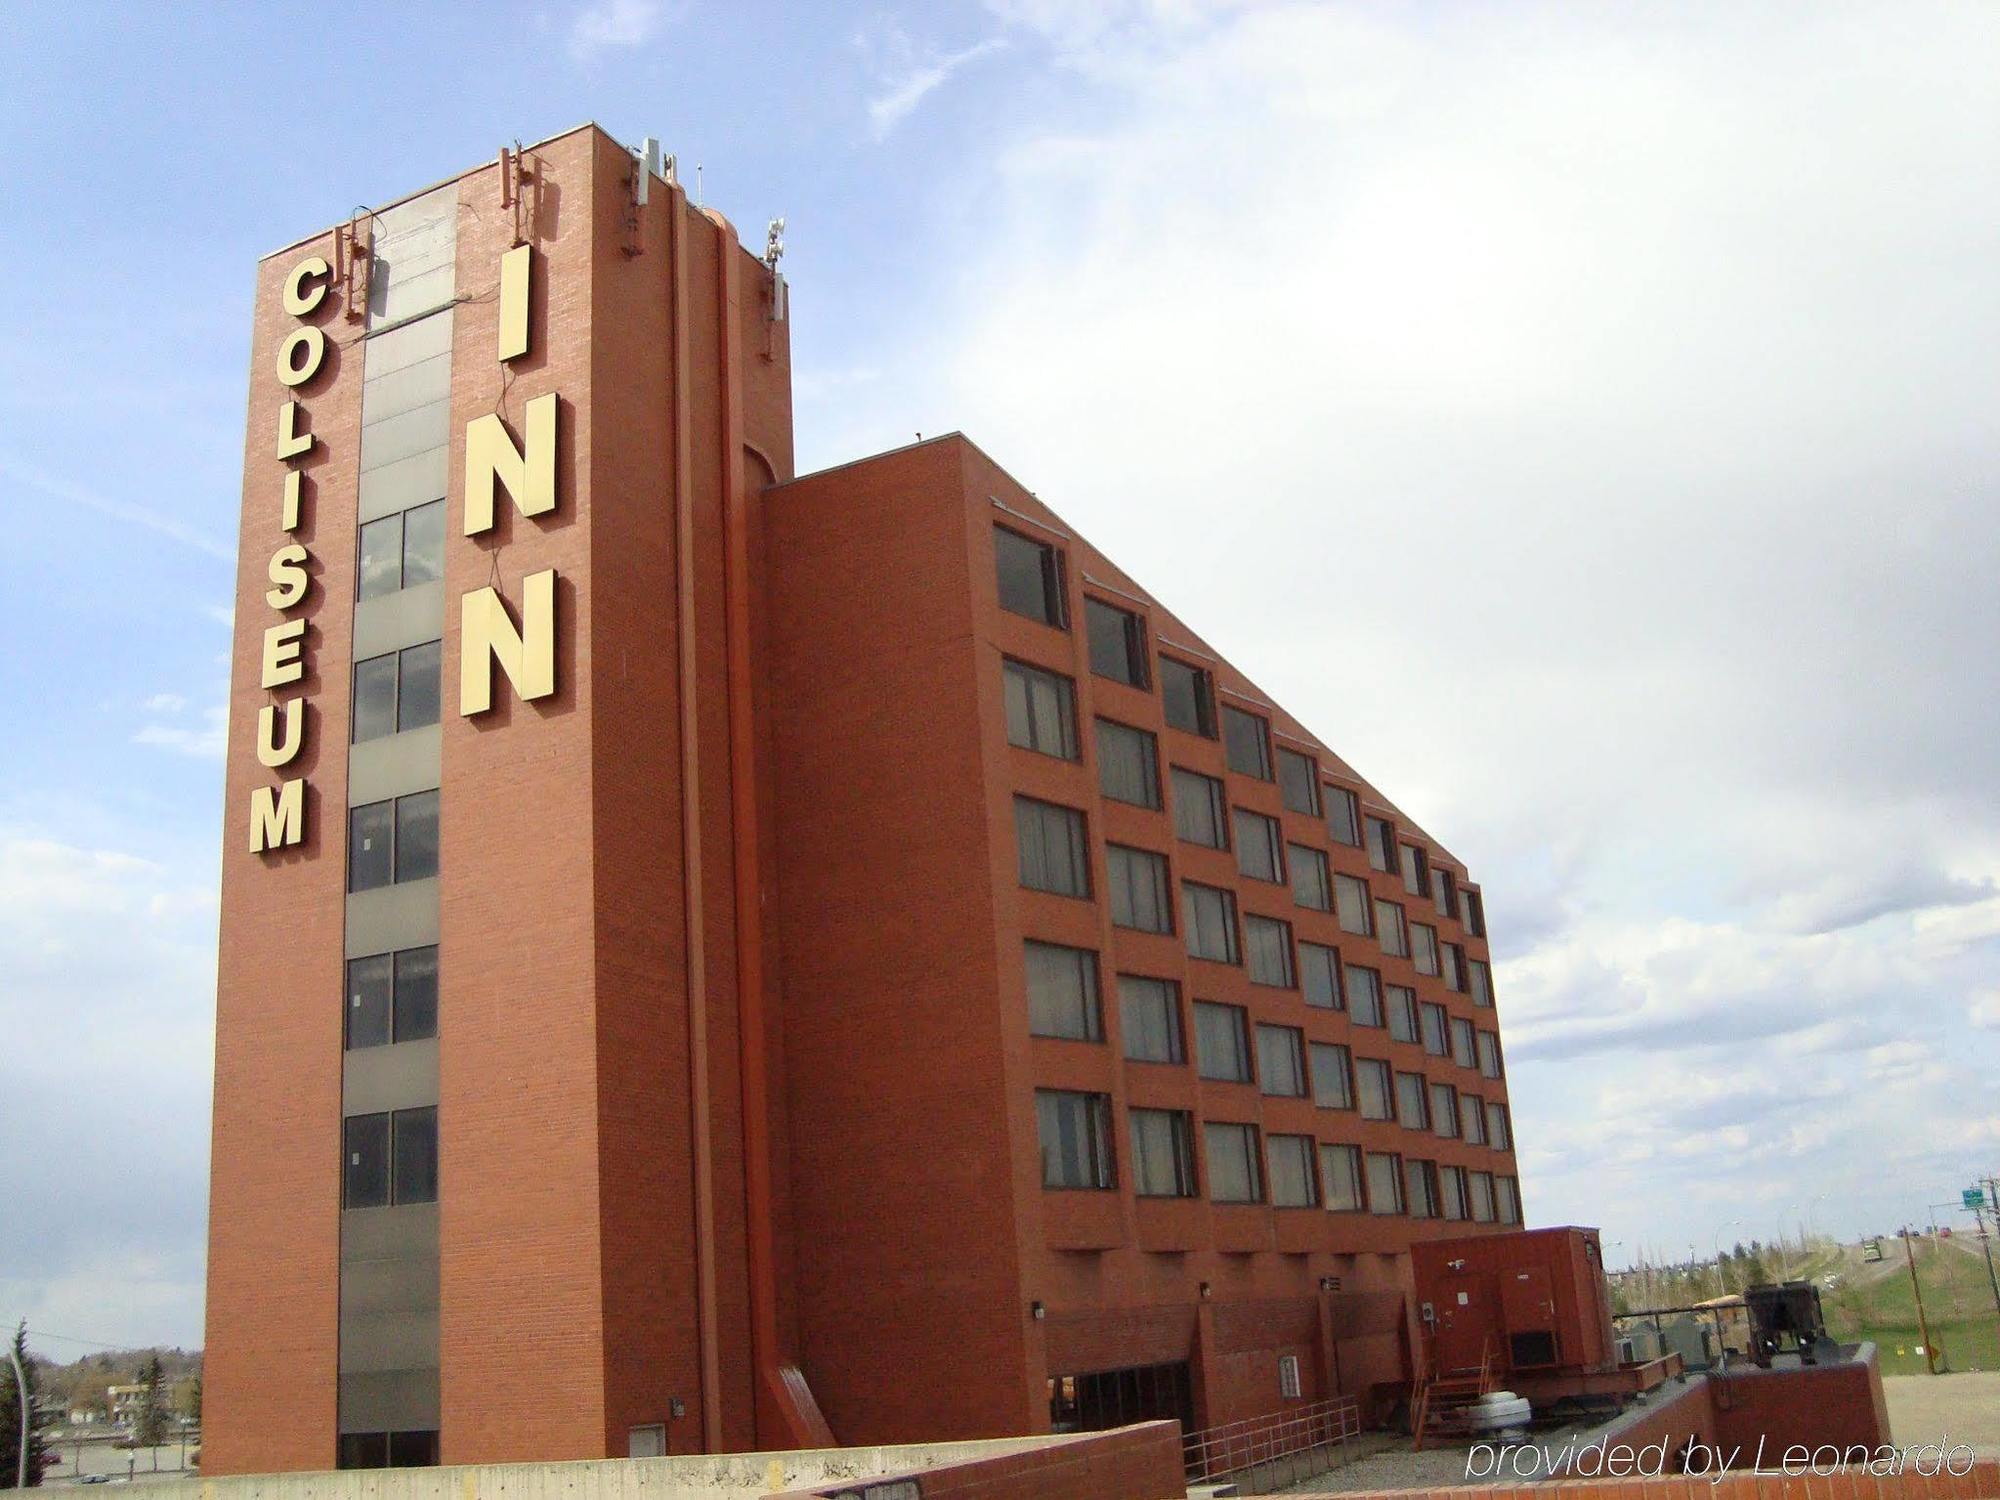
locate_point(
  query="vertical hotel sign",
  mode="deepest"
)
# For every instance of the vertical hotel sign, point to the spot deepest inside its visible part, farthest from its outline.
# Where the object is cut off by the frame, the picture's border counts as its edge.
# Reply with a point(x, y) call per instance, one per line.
point(278, 813)
point(487, 635)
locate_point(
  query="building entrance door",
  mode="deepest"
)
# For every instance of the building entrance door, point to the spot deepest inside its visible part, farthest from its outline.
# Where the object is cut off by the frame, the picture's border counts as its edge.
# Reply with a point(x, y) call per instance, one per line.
point(1098, 1399)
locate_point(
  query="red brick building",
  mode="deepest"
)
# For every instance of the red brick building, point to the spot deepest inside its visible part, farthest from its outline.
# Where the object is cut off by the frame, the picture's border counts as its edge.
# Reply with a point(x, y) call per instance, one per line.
point(713, 958)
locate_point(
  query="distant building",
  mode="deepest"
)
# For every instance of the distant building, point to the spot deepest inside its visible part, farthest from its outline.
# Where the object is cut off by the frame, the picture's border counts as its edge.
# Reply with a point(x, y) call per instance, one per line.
point(717, 959)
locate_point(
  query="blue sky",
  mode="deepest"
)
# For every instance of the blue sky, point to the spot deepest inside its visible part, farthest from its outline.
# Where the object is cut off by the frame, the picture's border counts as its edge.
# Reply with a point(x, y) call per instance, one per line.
point(1581, 415)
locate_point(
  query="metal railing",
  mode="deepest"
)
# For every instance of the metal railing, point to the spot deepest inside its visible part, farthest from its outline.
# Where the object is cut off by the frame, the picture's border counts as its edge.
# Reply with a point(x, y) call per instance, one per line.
point(1291, 1437)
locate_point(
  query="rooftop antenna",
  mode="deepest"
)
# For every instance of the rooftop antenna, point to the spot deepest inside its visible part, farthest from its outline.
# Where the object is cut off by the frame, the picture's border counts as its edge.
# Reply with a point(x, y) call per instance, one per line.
point(648, 156)
point(774, 243)
point(697, 185)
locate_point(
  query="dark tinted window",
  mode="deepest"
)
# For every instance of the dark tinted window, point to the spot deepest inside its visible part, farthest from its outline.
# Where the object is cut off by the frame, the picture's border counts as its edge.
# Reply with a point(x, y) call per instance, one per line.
point(1030, 576)
point(365, 1164)
point(371, 834)
point(416, 836)
point(381, 570)
point(417, 697)
point(416, 1148)
point(1117, 642)
point(1188, 695)
point(1247, 741)
point(374, 698)
point(1076, 1138)
point(416, 994)
point(370, 999)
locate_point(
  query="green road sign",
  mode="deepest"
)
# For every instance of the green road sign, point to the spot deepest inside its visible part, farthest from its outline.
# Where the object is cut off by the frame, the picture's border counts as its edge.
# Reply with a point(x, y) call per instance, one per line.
point(1974, 1197)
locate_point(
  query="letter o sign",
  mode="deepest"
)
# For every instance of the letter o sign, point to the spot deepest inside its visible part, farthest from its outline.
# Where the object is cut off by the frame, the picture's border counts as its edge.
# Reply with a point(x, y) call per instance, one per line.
point(300, 355)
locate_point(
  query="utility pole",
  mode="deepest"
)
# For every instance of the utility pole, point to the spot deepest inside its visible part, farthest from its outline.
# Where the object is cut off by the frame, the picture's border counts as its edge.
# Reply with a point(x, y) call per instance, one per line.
point(1986, 1241)
point(21, 1391)
point(1923, 1324)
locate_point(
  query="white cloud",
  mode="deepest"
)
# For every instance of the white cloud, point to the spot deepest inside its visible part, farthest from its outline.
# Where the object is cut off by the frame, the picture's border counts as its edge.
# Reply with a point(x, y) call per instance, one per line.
point(166, 703)
point(206, 740)
point(1984, 1011)
point(110, 965)
point(917, 80)
point(612, 23)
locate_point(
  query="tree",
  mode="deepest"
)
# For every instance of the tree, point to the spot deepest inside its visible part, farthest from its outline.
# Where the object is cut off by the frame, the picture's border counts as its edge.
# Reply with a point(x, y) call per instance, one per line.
point(149, 1427)
point(10, 1418)
point(187, 1399)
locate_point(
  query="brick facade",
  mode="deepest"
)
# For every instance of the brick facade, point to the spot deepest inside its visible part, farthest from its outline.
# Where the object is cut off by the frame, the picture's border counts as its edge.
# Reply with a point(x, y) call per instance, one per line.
point(736, 1091)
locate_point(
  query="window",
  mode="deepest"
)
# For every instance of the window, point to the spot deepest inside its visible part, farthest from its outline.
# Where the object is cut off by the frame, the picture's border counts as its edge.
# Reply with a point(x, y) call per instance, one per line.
point(1343, 815)
point(1444, 1110)
point(1350, 904)
point(1199, 809)
point(1507, 1192)
point(1128, 764)
point(1076, 1138)
point(1162, 1153)
point(1221, 1042)
point(1481, 1194)
point(1340, 1169)
point(1472, 1119)
point(1333, 1086)
point(1402, 1006)
point(1482, 984)
point(1062, 993)
point(1139, 894)
point(1319, 975)
point(396, 691)
point(1385, 1183)
point(1052, 850)
point(1281, 1061)
point(1372, 1089)
point(1269, 944)
point(1312, 882)
point(1473, 912)
point(389, 1158)
point(1246, 743)
point(1041, 710)
point(1499, 1131)
point(402, 551)
point(1257, 846)
point(1149, 1014)
point(1489, 1055)
point(391, 842)
point(1117, 642)
point(1389, 927)
point(1364, 994)
point(388, 1450)
point(1461, 1042)
point(1210, 918)
point(1188, 694)
point(1381, 845)
point(1298, 782)
point(1288, 1376)
point(1420, 1188)
point(392, 997)
point(1234, 1173)
point(1030, 577)
point(1412, 1102)
point(1292, 1182)
point(1451, 1194)
point(1454, 968)
point(1434, 1030)
point(1424, 947)
point(1416, 871)
point(1444, 891)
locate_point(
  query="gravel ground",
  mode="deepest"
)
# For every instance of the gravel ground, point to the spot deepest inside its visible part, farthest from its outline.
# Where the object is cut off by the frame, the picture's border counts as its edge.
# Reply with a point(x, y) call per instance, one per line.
point(1965, 1408)
point(1383, 1461)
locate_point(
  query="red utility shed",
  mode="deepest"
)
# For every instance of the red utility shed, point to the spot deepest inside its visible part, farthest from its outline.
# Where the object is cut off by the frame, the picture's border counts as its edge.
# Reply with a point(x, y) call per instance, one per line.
point(1528, 1304)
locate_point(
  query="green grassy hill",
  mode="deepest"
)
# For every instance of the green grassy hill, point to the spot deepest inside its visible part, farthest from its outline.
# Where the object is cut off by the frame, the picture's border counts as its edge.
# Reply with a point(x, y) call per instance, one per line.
point(1876, 1302)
